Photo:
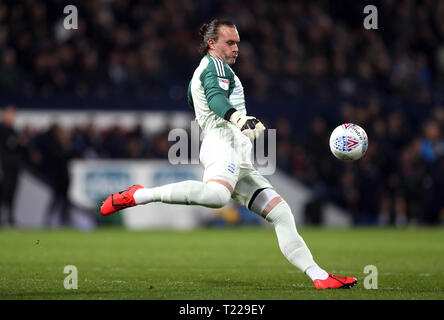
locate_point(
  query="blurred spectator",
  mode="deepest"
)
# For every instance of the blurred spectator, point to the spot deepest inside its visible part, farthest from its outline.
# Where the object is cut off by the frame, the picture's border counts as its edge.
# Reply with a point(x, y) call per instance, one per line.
point(57, 154)
point(432, 145)
point(12, 152)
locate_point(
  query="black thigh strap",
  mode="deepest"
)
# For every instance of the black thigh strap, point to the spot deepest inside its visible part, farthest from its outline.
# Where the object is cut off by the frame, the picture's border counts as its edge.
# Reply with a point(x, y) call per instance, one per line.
point(255, 194)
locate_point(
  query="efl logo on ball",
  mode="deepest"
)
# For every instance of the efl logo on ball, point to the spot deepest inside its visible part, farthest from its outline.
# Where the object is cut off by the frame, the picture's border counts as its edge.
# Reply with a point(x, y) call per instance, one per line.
point(348, 142)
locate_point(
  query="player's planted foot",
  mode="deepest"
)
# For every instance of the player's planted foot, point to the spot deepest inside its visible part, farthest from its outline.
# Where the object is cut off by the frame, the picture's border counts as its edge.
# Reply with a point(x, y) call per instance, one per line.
point(119, 200)
point(335, 282)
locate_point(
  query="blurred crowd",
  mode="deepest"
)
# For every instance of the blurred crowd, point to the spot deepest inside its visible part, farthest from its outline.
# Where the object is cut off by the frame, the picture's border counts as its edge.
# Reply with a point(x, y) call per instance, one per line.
point(288, 48)
point(400, 180)
point(46, 153)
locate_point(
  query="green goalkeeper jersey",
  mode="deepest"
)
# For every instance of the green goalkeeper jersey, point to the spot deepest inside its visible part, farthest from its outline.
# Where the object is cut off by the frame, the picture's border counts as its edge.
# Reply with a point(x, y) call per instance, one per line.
point(214, 90)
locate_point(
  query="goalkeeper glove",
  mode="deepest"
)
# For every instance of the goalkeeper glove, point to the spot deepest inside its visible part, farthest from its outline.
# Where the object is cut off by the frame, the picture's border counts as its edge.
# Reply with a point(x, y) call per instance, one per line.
point(249, 126)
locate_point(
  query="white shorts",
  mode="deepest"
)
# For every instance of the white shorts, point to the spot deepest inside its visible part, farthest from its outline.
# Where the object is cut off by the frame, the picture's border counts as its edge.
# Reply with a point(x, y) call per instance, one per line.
point(226, 154)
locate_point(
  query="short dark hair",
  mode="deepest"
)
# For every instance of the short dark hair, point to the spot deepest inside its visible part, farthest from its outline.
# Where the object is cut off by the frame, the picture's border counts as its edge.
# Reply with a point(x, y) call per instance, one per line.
point(210, 31)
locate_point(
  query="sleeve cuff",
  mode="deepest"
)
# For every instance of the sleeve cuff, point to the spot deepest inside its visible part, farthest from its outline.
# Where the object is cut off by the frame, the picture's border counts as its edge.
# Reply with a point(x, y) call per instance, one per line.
point(228, 114)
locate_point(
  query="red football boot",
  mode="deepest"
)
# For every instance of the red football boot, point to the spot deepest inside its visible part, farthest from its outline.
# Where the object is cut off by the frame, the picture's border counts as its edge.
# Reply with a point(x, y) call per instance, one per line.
point(334, 282)
point(119, 200)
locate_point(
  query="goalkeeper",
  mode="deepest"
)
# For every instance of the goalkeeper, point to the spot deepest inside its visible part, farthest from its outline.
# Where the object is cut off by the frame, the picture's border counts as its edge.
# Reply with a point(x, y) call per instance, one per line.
point(217, 97)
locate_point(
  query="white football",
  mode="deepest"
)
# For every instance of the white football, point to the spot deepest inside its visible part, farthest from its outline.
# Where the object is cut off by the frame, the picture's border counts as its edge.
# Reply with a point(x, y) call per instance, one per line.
point(348, 142)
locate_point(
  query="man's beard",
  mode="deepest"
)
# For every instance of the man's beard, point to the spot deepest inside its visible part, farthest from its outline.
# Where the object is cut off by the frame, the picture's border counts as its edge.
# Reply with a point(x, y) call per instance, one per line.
point(231, 60)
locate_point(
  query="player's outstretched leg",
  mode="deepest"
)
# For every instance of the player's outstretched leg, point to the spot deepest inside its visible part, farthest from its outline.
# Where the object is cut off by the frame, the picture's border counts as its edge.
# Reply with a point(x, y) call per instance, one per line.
point(270, 205)
point(213, 194)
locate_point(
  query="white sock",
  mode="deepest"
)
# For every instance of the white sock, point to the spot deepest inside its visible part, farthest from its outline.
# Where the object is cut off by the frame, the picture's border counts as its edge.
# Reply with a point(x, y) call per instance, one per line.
point(290, 242)
point(314, 272)
point(143, 196)
point(211, 194)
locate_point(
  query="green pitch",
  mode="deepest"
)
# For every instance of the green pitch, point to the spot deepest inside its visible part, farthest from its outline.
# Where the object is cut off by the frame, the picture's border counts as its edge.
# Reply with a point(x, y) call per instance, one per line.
point(216, 264)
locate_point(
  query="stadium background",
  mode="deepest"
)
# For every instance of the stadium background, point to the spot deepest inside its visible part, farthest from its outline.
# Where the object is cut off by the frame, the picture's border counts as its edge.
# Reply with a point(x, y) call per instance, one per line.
point(305, 66)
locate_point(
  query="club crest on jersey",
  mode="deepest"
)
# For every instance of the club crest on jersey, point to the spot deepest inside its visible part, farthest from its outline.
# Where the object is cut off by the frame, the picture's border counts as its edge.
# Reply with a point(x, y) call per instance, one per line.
point(223, 83)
